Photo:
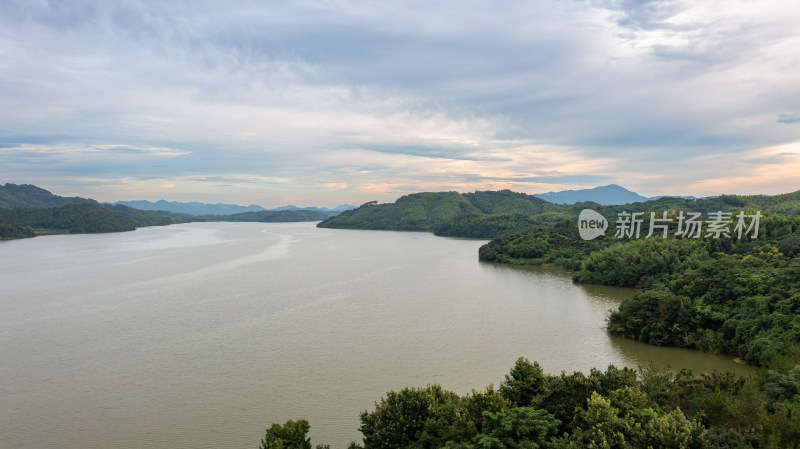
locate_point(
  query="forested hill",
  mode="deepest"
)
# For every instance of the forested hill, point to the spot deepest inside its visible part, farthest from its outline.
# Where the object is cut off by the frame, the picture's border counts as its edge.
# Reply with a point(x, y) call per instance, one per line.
point(30, 196)
point(88, 217)
point(428, 210)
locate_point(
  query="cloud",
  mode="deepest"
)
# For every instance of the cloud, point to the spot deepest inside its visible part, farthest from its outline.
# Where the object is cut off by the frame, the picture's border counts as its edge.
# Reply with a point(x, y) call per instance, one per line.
point(645, 14)
point(789, 118)
point(85, 153)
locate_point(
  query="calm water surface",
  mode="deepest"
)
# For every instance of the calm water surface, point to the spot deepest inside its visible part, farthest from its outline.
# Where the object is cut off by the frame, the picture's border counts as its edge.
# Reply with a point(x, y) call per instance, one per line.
point(201, 335)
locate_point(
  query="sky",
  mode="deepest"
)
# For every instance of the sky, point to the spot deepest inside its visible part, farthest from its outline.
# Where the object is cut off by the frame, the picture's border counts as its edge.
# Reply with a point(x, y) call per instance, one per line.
point(330, 102)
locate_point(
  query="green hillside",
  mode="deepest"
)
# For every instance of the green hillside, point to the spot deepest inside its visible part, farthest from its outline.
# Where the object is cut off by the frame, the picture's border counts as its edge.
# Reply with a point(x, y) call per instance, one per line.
point(784, 204)
point(493, 225)
point(428, 210)
point(416, 212)
point(73, 218)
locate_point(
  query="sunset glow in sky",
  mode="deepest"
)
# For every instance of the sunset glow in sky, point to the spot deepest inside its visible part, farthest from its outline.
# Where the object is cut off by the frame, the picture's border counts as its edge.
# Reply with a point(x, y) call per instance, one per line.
point(330, 102)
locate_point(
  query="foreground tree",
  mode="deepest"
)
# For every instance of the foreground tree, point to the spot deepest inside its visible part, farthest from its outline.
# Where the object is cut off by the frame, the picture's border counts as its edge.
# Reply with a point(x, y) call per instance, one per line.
point(524, 383)
point(399, 419)
point(291, 435)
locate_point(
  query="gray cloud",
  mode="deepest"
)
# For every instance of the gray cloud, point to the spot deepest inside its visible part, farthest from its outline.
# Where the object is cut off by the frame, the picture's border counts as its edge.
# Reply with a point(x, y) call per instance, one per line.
point(554, 179)
point(789, 118)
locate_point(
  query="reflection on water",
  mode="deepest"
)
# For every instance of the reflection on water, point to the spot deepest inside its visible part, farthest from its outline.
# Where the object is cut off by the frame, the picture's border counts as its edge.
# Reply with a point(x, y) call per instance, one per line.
point(201, 335)
point(602, 299)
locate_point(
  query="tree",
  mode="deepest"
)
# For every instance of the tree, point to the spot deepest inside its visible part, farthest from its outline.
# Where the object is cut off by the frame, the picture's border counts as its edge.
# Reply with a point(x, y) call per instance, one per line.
point(524, 383)
point(518, 428)
point(399, 419)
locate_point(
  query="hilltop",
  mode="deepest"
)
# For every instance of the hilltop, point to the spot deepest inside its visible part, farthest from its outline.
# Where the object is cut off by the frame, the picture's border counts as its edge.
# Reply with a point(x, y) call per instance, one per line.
point(30, 196)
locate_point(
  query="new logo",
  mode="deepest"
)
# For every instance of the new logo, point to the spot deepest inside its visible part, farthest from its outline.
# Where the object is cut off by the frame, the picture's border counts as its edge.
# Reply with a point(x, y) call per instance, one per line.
point(591, 224)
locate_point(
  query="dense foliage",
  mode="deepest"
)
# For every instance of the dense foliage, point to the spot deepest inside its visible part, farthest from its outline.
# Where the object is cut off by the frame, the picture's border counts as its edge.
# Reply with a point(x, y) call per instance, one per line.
point(556, 245)
point(12, 231)
point(640, 263)
point(615, 408)
point(748, 306)
point(291, 435)
point(494, 225)
point(75, 218)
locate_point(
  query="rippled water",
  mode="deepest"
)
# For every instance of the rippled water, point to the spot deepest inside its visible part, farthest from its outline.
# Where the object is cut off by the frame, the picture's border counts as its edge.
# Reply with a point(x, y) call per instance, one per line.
point(201, 335)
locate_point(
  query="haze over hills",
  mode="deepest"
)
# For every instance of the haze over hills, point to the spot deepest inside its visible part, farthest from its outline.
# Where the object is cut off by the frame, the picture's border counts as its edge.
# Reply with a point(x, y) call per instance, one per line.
point(197, 208)
point(192, 208)
point(610, 194)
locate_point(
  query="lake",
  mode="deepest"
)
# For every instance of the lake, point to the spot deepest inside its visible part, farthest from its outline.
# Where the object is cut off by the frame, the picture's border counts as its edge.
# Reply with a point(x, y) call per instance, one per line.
point(202, 335)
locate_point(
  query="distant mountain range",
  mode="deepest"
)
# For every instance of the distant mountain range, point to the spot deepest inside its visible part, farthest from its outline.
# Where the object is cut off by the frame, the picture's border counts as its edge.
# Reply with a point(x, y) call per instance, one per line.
point(611, 194)
point(192, 208)
point(195, 208)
